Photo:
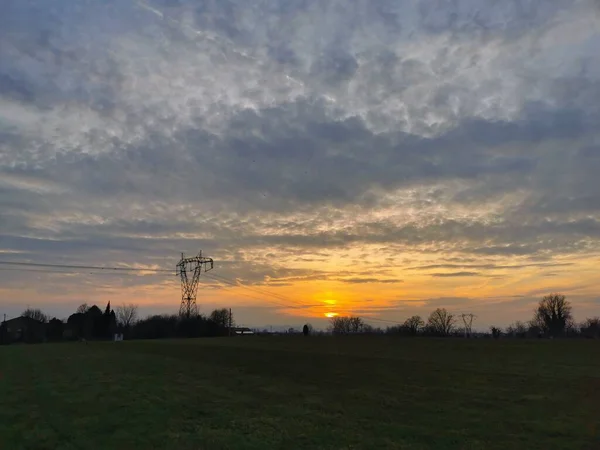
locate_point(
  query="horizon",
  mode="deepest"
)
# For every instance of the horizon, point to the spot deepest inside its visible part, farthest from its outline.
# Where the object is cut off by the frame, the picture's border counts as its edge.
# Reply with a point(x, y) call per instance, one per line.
point(381, 161)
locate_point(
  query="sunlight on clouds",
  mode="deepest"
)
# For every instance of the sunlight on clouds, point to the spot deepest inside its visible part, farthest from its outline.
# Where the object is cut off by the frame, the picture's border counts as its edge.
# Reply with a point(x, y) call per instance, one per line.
point(380, 160)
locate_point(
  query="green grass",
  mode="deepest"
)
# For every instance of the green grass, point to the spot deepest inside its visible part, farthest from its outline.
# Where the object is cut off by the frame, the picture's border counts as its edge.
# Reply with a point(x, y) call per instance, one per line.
point(321, 392)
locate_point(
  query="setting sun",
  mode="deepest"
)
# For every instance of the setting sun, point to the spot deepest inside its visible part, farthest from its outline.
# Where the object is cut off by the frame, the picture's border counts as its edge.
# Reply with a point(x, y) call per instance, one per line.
point(331, 314)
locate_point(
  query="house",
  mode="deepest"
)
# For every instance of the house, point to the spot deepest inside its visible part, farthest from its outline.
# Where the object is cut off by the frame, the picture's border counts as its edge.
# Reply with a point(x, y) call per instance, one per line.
point(22, 329)
point(242, 331)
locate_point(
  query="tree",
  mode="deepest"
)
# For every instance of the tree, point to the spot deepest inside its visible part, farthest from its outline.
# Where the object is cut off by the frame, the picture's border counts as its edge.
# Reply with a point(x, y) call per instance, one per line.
point(35, 314)
point(346, 325)
point(517, 329)
point(109, 322)
point(356, 325)
point(126, 314)
point(222, 317)
point(591, 328)
point(54, 330)
point(82, 309)
point(95, 321)
point(396, 329)
point(553, 314)
point(413, 325)
point(496, 332)
point(307, 329)
point(441, 322)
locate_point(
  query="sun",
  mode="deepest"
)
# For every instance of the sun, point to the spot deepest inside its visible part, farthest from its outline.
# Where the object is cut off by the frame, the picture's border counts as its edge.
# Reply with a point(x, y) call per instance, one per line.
point(331, 314)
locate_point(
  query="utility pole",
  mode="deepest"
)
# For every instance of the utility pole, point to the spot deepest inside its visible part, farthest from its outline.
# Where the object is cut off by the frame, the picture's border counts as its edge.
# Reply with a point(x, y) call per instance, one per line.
point(189, 269)
point(230, 321)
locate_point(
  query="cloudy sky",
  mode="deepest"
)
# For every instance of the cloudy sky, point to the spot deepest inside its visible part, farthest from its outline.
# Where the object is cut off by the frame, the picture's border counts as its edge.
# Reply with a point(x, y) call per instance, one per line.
point(373, 157)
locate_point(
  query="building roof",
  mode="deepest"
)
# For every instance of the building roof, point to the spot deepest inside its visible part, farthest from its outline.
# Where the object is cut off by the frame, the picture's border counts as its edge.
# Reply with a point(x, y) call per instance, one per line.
point(22, 319)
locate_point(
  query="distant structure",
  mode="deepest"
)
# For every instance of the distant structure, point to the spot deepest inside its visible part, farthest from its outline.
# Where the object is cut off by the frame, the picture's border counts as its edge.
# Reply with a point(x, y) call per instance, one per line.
point(189, 269)
point(468, 321)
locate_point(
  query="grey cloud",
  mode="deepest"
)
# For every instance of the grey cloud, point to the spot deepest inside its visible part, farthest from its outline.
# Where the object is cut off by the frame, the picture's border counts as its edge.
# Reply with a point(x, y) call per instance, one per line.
point(467, 16)
point(491, 266)
point(284, 126)
point(334, 67)
point(296, 167)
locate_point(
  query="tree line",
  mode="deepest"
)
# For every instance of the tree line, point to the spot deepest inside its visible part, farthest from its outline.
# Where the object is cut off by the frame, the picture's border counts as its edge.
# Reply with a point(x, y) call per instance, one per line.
point(553, 317)
point(91, 323)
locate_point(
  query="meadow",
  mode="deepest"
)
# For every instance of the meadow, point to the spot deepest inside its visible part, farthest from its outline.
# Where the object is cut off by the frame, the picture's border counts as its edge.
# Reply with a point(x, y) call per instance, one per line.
point(295, 392)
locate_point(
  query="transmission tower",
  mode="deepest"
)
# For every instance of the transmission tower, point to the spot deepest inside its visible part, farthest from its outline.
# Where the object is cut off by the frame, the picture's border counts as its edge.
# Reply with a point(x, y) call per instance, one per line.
point(189, 269)
point(468, 321)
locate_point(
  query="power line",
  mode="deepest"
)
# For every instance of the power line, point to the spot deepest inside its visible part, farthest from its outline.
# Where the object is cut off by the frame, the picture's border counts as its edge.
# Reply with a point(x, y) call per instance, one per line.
point(253, 288)
point(233, 284)
point(238, 284)
point(73, 266)
point(75, 272)
point(107, 270)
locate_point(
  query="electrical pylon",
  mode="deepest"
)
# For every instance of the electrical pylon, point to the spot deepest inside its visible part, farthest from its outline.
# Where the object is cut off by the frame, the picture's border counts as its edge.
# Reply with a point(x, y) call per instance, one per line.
point(189, 269)
point(468, 321)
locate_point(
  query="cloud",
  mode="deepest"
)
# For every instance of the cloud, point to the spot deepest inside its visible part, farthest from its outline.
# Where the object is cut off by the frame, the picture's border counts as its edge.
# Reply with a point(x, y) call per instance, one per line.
point(286, 136)
point(491, 266)
point(455, 274)
point(369, 280)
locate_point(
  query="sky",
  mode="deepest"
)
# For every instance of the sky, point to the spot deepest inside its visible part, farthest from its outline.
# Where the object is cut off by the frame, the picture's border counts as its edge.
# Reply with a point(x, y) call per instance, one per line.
point(380, 158)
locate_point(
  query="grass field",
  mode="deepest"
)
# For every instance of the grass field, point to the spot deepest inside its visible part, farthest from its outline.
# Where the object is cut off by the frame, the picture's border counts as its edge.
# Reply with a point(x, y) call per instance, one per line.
point(321, 392)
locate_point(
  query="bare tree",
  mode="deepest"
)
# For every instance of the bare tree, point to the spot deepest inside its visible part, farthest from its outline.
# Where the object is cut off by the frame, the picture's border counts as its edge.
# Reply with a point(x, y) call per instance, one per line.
point(346, 325)
point(127, 314)
point(221, 317)
point(591, 328)
point(340, 325)
point(553, 314)
point(35, 314)
point(82, 309)
point(517, 329)
point(356, 325)
point(413, 325)
point(441, 322)
point(496, 332)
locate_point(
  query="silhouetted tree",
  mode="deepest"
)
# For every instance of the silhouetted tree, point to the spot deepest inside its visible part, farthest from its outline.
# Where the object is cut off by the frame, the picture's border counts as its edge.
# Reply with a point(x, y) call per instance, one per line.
point(79, 326)
point(534, 330)
point(440, 322)
point(307, 329)
point(82, 309)
point(370, 329)
point(35, 314)
point(591, 328)
point(553, 314)
point(221, 317)
point(496, 332)
point(54, 329)
point(413, 325)
point(170, 326)
point(95, 316)
point(109, 323)
point(346, 325)
point(356, 325)
point(126, 315)
point(156, 327)
point(517, 329)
